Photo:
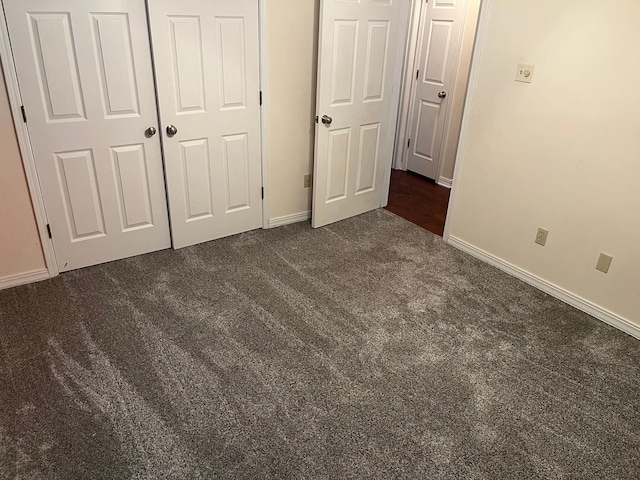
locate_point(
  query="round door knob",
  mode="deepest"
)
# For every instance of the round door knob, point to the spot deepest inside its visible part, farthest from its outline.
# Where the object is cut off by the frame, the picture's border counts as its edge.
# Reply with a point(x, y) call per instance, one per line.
point(327, 120)
point(171, 130)
point(151, 131)
point(442, 95)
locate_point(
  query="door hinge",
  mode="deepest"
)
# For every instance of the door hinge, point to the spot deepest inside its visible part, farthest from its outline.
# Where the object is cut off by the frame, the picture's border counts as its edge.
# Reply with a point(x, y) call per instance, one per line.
point(262, 192)
point(417, 74)
point(409, 143)
point(49, 231)
point(261, 98)
point(24, 114)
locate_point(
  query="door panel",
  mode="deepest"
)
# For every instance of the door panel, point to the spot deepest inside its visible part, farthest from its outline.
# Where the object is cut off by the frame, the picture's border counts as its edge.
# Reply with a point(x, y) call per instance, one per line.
point(112, 37)
point(441, 34)
point(207, 64)
point(86, 79)
point(358, 87)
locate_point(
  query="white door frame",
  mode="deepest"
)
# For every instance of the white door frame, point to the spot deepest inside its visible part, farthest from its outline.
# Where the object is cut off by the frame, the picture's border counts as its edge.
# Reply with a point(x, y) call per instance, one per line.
point(408, 83)
point(24, 140)
point(264, 75)
point(409, 91)
point(481, 34)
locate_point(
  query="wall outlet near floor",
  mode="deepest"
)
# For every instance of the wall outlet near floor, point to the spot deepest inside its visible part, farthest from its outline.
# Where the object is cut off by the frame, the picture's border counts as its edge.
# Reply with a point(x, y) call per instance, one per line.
point(308, 179)
point(604, 263)
point(541, 237)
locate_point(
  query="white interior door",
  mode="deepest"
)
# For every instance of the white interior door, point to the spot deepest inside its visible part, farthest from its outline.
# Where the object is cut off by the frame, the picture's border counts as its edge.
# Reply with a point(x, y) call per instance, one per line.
point(360, 61)
point(207, 71)
point(84, 69)
point(440, 38)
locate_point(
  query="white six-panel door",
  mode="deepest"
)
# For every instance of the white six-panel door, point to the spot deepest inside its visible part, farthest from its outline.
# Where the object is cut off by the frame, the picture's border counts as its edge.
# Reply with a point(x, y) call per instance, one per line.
point(359, 72)
point(207, 68)
point(441, 34)
point(85, 75)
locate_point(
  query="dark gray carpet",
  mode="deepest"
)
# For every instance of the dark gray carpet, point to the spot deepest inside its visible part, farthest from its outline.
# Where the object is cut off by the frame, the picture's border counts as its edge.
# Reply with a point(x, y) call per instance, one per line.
point(368, 349)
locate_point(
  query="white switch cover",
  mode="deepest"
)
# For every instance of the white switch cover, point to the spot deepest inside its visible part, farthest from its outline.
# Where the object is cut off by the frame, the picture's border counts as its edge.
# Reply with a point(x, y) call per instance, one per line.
point(525, 73)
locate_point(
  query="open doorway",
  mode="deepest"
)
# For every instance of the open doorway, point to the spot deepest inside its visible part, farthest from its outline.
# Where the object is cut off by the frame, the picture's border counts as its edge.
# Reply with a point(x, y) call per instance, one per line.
point(437, 65)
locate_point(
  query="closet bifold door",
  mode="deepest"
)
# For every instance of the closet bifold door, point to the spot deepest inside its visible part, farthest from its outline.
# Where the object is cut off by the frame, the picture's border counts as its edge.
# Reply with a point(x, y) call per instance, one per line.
point(86, 79)
point(206, 55)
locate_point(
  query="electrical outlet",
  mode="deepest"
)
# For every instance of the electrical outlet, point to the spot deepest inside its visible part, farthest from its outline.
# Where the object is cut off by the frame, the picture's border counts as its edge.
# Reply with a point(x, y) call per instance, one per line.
point(541, 237)
point(525, 73)
point(604, 263)
point(307, 181)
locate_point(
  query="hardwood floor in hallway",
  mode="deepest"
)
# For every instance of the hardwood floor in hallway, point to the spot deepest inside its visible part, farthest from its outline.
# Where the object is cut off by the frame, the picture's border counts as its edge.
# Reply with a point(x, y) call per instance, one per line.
point(419, 200)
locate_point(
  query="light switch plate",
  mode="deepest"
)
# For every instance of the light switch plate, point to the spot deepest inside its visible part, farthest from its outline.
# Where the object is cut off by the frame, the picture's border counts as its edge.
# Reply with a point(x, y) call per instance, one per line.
point(525, 72)
point(604, 263)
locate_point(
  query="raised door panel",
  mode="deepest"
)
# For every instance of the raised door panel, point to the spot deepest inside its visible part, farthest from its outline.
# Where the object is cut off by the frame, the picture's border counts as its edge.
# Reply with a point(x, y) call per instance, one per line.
point(78, 183)
point(188, 64)
point(113, 46)
point(376, 66)
point(368, 158)
point(237, 174)
point(338, 163)
point(437, 52)
point(134, 197)
point(428, 117)
point(196, 174)
point(232, 62)
point(345, 52)
point(57, 65)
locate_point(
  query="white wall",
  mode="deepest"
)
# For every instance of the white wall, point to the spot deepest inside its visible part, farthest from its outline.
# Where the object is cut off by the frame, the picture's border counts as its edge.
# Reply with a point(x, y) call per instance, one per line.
point(20, 250)
point(290, 98)
point(563, 152)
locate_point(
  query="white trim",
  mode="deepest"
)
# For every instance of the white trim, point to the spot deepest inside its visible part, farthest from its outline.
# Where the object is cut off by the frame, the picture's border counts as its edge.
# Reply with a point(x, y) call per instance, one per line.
point(395, 100)
point(24, 143)
point(289, 219)
point(24, 278)
point(466, 116)
point(561, 294)
point(408, 83)
point(262, 19)
point(445, 182)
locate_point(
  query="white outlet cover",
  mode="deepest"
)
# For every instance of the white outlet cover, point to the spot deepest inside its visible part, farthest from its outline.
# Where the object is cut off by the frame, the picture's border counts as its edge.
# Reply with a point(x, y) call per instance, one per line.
point(525, 72)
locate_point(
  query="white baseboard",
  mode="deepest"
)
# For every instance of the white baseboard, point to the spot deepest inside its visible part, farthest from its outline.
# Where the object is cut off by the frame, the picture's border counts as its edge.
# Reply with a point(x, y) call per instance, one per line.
point(289, 219)
point(575, 301)
point(445, 182)
point(24, 278)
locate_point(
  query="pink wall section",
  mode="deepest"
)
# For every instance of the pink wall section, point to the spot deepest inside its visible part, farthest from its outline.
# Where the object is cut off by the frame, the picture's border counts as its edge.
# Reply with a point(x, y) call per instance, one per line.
point(20, 249)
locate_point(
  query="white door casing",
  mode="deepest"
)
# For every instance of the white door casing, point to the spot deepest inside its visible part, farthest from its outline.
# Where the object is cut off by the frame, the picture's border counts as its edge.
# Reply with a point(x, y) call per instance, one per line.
point(206, 57)
point(85, 75)
point(359, 71)
point(437, 63)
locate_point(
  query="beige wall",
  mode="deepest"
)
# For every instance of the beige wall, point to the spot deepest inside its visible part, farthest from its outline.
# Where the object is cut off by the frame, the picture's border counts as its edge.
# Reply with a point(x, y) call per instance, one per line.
point(20, 250)
point(290, 98)
point(563, 152)
point(460, 90)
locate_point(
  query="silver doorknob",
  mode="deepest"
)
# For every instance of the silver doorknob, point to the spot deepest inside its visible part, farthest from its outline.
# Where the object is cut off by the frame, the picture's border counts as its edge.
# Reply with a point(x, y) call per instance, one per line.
point(327, 120)
point(151, 131)
point(171, 130)
point(442, 95)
